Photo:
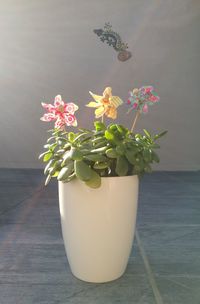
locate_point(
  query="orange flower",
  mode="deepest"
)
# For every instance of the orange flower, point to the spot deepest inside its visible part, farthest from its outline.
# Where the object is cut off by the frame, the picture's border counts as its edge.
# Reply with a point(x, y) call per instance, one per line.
point(105, 104)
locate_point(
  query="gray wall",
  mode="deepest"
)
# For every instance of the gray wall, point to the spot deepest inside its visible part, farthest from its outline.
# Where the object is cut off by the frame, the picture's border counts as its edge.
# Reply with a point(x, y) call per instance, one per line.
point(48, 47)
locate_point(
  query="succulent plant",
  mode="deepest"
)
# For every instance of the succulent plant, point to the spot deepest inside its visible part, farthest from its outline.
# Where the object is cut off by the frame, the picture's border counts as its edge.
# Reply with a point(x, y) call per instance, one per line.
point(103, 152)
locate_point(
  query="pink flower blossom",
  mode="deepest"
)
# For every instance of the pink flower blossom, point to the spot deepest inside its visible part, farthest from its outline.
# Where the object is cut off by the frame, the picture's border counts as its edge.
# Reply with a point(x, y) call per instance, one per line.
point(61, 112)
point(140, 99)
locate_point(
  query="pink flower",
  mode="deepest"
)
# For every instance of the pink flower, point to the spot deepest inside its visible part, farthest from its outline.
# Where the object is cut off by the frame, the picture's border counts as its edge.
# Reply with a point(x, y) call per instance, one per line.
point(140, 99)
point(61, 112)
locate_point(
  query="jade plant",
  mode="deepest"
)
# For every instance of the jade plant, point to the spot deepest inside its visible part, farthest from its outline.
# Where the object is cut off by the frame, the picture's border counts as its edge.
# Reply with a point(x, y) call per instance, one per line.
point(106, 151)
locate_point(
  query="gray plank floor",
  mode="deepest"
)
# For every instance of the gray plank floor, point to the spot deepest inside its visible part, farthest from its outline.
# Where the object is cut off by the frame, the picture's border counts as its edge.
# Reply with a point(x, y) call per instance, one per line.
point(164, 267)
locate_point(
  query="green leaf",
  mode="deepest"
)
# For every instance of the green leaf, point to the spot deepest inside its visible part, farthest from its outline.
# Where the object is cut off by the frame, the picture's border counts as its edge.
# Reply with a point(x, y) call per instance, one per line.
point(66, 158)
point(72, 176)
point(49, 165)
point(47, 156)
point(95, 157)
point(100, 144)
point(71, 136)
point(51, 138)
point(52, 147)
point(112, 127)
point(122, 130)
point(155, 157)
point(121, 166)
point(100, 165)
point(61, 151)
point(65, 172)
point(83, 136)
point(147, 155)
point(147, 133)
point(130, 155)
point(82, 170)
point(47, 179)
point(55, 174)
point(99, 126)
point(111, 153)
point(46, 146)
point(160, 135)
point(109, 135)
point(52, 170)
point(95, 180)
point(120, 149)
point(99, 150)
point(76, 154)
point(67, 146)
point(43, 154)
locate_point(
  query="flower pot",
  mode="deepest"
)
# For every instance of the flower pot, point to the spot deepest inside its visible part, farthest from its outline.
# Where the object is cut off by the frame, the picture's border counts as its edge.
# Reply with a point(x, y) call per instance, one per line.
point(98, 226)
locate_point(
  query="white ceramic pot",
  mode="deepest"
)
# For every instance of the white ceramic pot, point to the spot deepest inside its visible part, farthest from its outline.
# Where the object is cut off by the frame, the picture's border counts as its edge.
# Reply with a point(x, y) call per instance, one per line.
point(98, 226)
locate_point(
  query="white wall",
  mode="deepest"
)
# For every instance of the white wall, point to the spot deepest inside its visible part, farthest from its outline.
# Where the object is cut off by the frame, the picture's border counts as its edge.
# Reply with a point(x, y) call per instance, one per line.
point(48, 47)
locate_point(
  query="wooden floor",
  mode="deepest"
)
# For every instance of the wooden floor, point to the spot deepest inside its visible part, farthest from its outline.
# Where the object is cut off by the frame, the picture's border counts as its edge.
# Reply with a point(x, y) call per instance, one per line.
point(164, 267)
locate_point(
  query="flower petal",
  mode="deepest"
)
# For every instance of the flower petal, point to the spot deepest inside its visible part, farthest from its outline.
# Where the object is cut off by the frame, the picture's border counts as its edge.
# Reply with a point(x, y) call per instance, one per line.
point(107, 92)
point(58, 101)
point(70, 107)
point(145, 108)
point(48, 107)
point(154, 98)
point(111, 112)
point(92, 104)
point(100, 112)
point(97, 98)
point(147, 89)
point(60, 124)
point(70, 120)
point(115, 101)
point(48, 117)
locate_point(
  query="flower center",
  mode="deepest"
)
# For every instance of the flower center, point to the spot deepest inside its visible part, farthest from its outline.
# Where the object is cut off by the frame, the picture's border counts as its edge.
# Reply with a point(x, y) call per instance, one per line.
point(60, 108)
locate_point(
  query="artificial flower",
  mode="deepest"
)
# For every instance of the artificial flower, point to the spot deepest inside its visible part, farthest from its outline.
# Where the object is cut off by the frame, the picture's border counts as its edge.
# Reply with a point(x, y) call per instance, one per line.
point(106, 104)
point(140, 99)
point(61, 112)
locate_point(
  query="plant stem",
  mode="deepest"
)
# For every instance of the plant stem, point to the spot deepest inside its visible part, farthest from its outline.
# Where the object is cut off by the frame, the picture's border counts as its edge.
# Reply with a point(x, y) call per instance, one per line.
point(135, 120)
point(102, 118)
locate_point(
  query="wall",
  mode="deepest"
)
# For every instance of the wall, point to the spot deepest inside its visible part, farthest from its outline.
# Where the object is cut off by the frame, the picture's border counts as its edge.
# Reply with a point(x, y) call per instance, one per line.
point(48, 47)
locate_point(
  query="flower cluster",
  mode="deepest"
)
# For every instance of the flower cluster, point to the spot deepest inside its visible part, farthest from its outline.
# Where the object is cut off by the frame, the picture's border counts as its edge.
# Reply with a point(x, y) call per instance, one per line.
point(141, 98)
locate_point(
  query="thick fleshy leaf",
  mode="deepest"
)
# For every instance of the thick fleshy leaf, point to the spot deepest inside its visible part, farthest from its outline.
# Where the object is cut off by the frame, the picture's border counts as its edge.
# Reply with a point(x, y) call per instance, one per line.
point(121, 166)
point(99, 126)
point(130, 155)
point(47, 156)
point(155, 157)
point(95, 181)
point(82, 170)
point(95, 157)
point(111, 153)
point(47, 179)
point(66, 171)
point(76, 154)
point(101, 165)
